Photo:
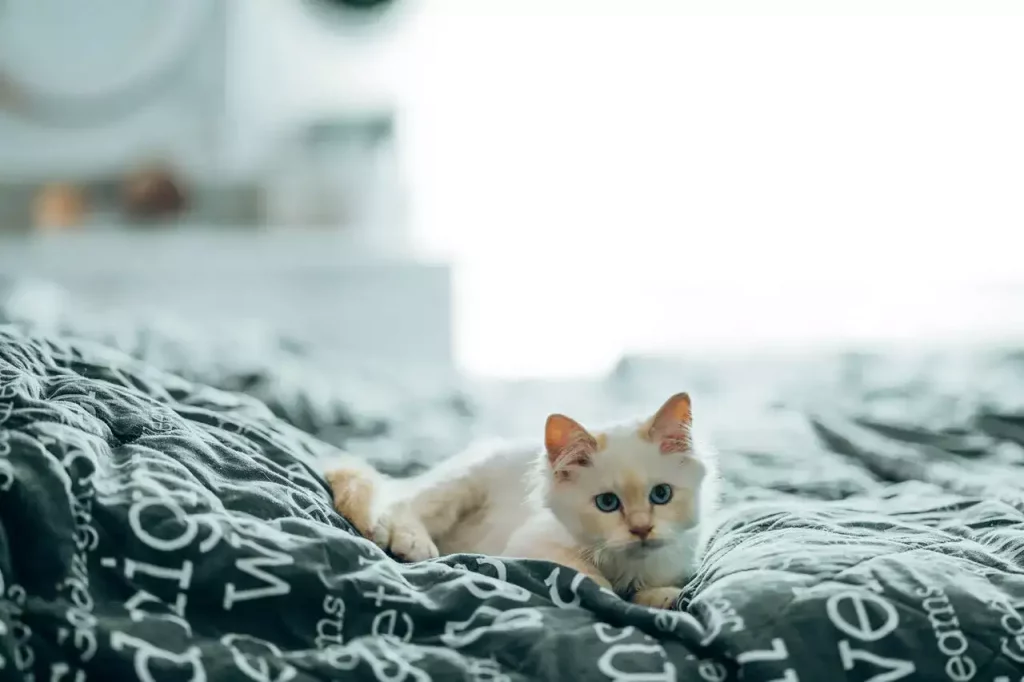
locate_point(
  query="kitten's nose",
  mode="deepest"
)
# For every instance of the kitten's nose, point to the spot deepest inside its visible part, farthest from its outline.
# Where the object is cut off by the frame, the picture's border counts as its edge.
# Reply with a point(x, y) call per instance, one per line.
point(641, 531)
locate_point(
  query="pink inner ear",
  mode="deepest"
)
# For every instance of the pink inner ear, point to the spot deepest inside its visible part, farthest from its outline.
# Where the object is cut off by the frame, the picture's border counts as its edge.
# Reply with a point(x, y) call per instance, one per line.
point(576, 452)
point(568, 444)
point(674, 437)
point(678, 441)
point(671, 427)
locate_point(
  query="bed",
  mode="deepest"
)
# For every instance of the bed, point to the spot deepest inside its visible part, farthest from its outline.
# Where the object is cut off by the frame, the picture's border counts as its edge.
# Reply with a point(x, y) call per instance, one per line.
point(162, 517)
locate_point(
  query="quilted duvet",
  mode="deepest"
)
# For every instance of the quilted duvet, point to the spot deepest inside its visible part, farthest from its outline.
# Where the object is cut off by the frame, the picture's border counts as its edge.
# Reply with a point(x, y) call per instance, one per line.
point(153, 527)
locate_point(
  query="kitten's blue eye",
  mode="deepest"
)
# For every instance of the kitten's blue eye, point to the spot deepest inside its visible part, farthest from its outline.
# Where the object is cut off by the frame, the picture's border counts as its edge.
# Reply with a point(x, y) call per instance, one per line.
point(607, 502)
point(661, 493)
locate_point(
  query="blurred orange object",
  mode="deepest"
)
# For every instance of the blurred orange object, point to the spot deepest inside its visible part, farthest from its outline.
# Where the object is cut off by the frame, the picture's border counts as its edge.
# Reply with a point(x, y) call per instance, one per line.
point(58, 206)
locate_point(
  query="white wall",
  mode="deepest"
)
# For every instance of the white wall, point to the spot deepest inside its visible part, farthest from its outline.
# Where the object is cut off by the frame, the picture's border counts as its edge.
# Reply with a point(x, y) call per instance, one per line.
point(651, 178)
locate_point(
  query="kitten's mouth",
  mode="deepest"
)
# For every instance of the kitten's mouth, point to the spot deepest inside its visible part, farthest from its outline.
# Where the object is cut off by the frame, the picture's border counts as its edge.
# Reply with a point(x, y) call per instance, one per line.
point(644, 546)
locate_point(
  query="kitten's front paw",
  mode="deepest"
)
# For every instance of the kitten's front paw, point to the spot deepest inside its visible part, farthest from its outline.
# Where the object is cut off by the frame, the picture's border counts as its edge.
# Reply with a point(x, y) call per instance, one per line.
point(397, 530)
point(658, 597)
point(400, 532)
point(353, 491)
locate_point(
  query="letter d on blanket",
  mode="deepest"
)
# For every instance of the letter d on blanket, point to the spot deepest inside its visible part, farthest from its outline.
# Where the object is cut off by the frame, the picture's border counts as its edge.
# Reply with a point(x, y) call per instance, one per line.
point(145, 653)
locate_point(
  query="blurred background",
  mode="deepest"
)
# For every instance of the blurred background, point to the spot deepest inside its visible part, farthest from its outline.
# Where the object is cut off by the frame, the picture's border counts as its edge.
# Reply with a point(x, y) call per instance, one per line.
point(512, 189)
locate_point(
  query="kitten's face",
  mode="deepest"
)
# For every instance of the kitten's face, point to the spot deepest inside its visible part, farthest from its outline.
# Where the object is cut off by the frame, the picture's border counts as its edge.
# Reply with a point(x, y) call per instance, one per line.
point(631, 489)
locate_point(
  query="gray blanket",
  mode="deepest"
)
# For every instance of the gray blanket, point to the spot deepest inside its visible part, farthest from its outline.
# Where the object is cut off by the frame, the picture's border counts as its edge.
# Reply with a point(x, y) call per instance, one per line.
point(163, 517)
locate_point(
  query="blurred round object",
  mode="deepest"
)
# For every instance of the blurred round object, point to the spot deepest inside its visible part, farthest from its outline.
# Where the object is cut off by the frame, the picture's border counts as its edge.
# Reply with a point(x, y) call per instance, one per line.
point(357, 15)
point(153, 194)
point(73, 62)
point(58, 206)
point(356, 4)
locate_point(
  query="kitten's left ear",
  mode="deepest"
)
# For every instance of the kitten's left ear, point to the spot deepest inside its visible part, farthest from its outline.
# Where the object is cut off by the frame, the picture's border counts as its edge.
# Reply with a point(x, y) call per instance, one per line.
point(670, 427)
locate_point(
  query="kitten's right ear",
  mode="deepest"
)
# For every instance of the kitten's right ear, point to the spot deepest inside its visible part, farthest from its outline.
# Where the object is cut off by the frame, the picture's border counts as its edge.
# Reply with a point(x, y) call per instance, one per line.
point(670, 427)
point(568, 444)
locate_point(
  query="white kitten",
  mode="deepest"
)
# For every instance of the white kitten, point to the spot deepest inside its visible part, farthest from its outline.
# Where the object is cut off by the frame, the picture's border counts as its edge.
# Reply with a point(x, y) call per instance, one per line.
point(628, 505)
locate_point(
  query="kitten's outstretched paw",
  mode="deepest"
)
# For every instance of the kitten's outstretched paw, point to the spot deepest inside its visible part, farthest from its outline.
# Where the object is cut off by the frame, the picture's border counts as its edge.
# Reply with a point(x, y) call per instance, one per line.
point(397, 530)
point(402, 533)
point(658, 597)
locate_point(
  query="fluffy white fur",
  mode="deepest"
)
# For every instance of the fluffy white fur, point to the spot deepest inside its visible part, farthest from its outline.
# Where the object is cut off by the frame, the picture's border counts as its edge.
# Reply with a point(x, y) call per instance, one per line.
point(524, 502)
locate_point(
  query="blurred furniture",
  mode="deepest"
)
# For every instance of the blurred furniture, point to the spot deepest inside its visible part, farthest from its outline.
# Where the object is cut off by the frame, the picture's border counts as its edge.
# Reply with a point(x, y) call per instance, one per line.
point(214, 203)
point(307, 282)
point(341, 171)
point(291, 101)
point(239, 98)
